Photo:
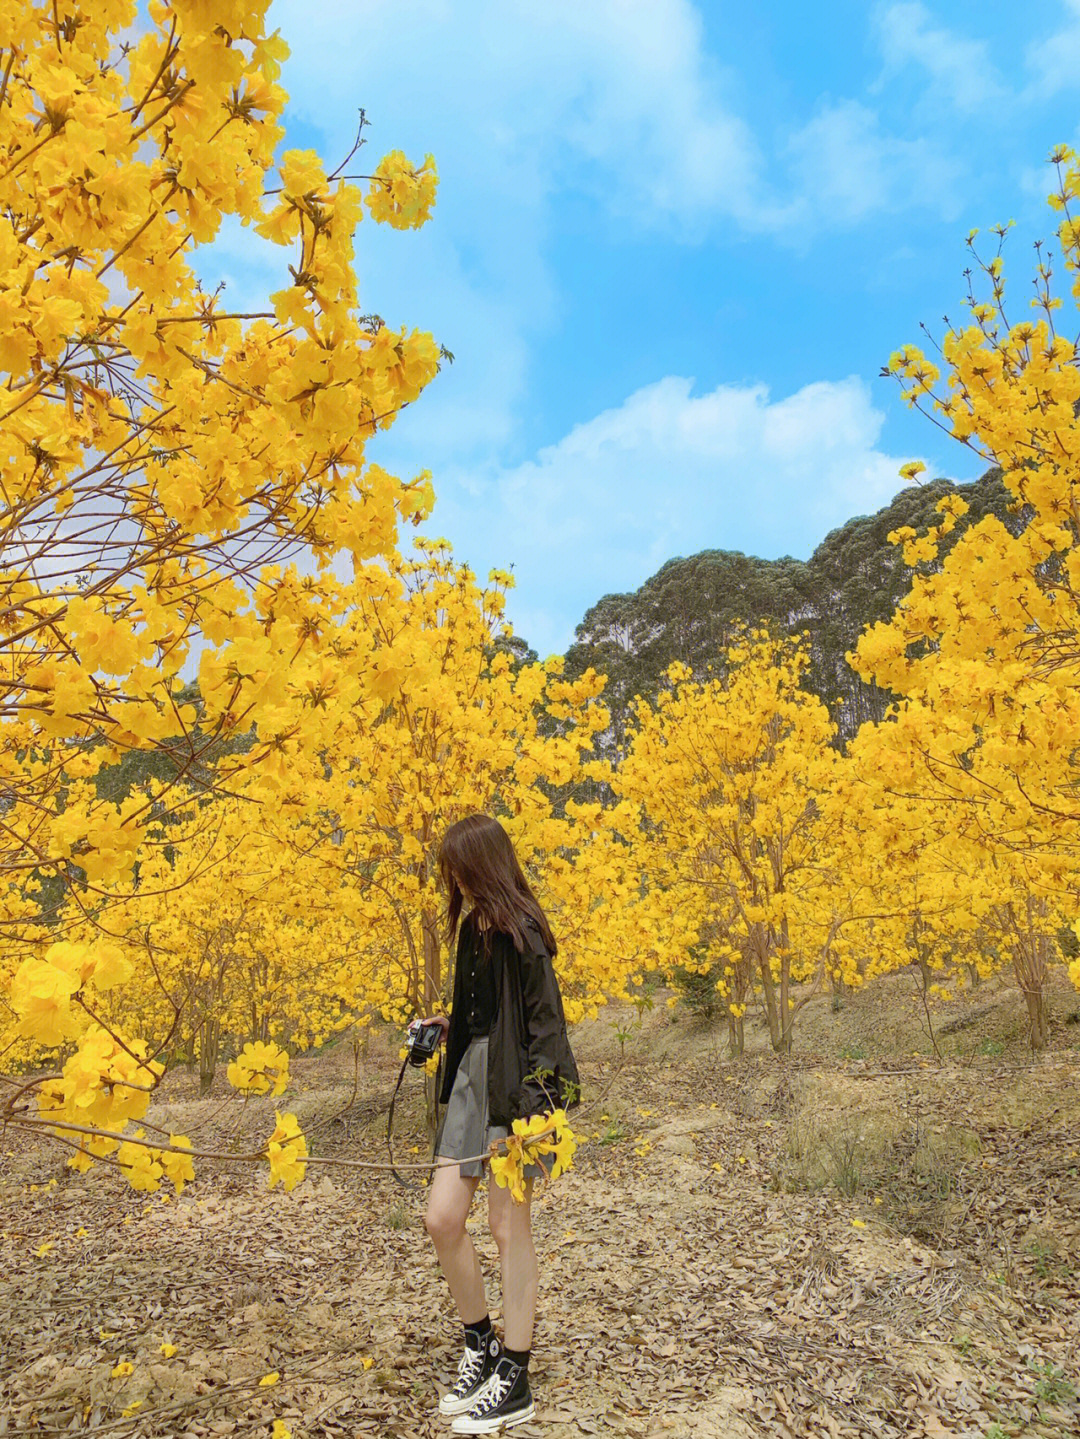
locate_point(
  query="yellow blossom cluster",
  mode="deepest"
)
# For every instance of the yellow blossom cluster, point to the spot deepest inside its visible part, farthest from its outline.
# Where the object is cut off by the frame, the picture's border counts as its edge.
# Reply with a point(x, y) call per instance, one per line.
point(401, 195)
point(287, 1150)
point(260, 1068)
point(528, 1142)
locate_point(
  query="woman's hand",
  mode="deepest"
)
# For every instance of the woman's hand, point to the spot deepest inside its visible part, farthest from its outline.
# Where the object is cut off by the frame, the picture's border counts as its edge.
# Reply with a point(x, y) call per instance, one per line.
point(441, 1020)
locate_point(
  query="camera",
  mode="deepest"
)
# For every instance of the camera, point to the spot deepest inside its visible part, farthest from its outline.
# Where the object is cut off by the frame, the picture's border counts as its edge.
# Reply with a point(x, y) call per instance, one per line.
point(422, 1041)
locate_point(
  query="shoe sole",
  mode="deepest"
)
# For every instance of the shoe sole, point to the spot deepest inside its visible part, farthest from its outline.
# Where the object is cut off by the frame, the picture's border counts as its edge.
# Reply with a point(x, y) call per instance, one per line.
point(492, 1426)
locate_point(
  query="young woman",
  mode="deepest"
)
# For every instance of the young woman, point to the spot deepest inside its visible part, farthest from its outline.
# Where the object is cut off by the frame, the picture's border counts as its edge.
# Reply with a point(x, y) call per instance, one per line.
point(507, 1057)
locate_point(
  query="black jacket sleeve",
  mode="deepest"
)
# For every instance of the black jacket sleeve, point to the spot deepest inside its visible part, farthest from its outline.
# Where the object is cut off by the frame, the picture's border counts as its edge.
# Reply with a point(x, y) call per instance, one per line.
point(549, 1065)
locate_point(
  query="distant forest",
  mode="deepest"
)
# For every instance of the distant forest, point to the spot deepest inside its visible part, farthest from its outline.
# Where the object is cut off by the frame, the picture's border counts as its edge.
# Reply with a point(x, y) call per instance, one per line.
point(692, 608)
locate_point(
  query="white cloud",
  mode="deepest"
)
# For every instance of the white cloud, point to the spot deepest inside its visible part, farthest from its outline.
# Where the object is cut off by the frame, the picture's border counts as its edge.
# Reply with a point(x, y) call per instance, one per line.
point(669, 472)
point(1055, 62)
point(959, 69)
point(524, 105)
point(615, 96)
point(847, 168)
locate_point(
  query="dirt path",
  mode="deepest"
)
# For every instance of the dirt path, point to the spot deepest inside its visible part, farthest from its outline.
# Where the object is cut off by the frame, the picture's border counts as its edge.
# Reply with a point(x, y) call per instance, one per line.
point(694, 1282)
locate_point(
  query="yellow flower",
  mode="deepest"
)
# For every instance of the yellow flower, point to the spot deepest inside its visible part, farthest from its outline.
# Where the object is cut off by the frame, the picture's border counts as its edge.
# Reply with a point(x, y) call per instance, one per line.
point(177, 1167)
point(43, 1249)
point(544, 1134)
point(260, 1069)
point(122, 1369)
point(41, 996)
point(507, 1169)
point(268, 1379)
point(286, 1150)
point(400, 195)
point(167, 1350)
point(142, 1168)
point(280, 1430)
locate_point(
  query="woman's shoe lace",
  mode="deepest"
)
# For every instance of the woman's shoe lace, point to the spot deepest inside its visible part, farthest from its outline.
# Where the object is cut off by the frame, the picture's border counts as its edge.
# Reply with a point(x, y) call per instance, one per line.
point(469, 1367)
point(492, 1395)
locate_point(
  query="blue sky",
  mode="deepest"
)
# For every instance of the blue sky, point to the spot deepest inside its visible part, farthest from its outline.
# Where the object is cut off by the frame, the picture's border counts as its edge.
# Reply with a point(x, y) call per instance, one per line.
point(674, 244)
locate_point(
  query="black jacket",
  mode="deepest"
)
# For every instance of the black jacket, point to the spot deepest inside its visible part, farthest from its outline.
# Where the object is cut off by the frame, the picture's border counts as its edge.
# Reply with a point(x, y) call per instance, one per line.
point(528, 1036)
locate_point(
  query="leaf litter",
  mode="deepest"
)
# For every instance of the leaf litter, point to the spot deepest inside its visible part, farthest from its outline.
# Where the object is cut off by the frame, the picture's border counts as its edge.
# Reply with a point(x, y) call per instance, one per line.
point(688, 1286)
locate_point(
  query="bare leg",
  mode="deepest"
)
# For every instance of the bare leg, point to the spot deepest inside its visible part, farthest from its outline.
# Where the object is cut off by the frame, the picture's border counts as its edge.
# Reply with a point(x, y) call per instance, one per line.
point(511, 1226)
point(447, 1209)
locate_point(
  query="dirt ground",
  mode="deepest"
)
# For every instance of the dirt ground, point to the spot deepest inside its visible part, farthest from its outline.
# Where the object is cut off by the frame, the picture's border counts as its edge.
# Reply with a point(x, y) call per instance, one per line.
point(851, 1241)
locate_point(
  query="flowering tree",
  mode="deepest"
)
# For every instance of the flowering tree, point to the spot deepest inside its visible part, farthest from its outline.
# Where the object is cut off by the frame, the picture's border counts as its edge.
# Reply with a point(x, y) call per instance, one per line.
point(161, 455)
point(726, 776)
point(983, 651)
point(449, 726)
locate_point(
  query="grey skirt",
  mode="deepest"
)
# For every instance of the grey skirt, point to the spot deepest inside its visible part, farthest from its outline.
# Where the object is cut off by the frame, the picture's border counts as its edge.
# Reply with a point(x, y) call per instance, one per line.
point(464, 1128)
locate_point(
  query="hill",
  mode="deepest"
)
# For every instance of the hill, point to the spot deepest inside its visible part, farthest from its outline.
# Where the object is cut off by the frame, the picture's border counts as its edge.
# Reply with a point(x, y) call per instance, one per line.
point(692, 607)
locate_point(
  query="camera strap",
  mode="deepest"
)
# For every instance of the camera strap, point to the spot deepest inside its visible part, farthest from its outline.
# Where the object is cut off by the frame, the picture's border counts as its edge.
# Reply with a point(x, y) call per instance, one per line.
point(408, 1183)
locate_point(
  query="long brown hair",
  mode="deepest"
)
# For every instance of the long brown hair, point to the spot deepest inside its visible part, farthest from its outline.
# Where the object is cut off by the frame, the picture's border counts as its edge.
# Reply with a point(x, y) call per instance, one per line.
point(478, 851)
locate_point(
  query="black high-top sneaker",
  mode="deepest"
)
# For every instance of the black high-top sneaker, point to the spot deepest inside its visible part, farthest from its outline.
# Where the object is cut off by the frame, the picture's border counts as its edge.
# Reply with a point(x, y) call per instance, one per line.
point(475, 1368)
point(504, 1400)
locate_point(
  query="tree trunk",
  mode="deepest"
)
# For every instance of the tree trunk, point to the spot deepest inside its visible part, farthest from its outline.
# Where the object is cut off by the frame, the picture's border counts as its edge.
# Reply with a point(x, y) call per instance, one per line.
point(921, 950)
point(1035, 1000)
point(736, 1035)
point(787, 1017)
point(780, 1032)
point(209, 1043)
point(1031, 962)
point(770, 990)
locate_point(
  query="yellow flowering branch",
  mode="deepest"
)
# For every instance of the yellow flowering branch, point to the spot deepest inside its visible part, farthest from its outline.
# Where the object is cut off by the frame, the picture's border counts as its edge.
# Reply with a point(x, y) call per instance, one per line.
point(44, 1124)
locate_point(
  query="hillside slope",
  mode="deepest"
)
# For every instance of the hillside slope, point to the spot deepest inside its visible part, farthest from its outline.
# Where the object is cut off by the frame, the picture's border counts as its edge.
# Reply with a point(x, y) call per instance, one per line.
point(691, 608)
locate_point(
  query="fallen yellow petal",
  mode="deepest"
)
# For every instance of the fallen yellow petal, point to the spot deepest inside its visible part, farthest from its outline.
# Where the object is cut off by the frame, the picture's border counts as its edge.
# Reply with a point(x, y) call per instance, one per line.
point(268, 1379)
